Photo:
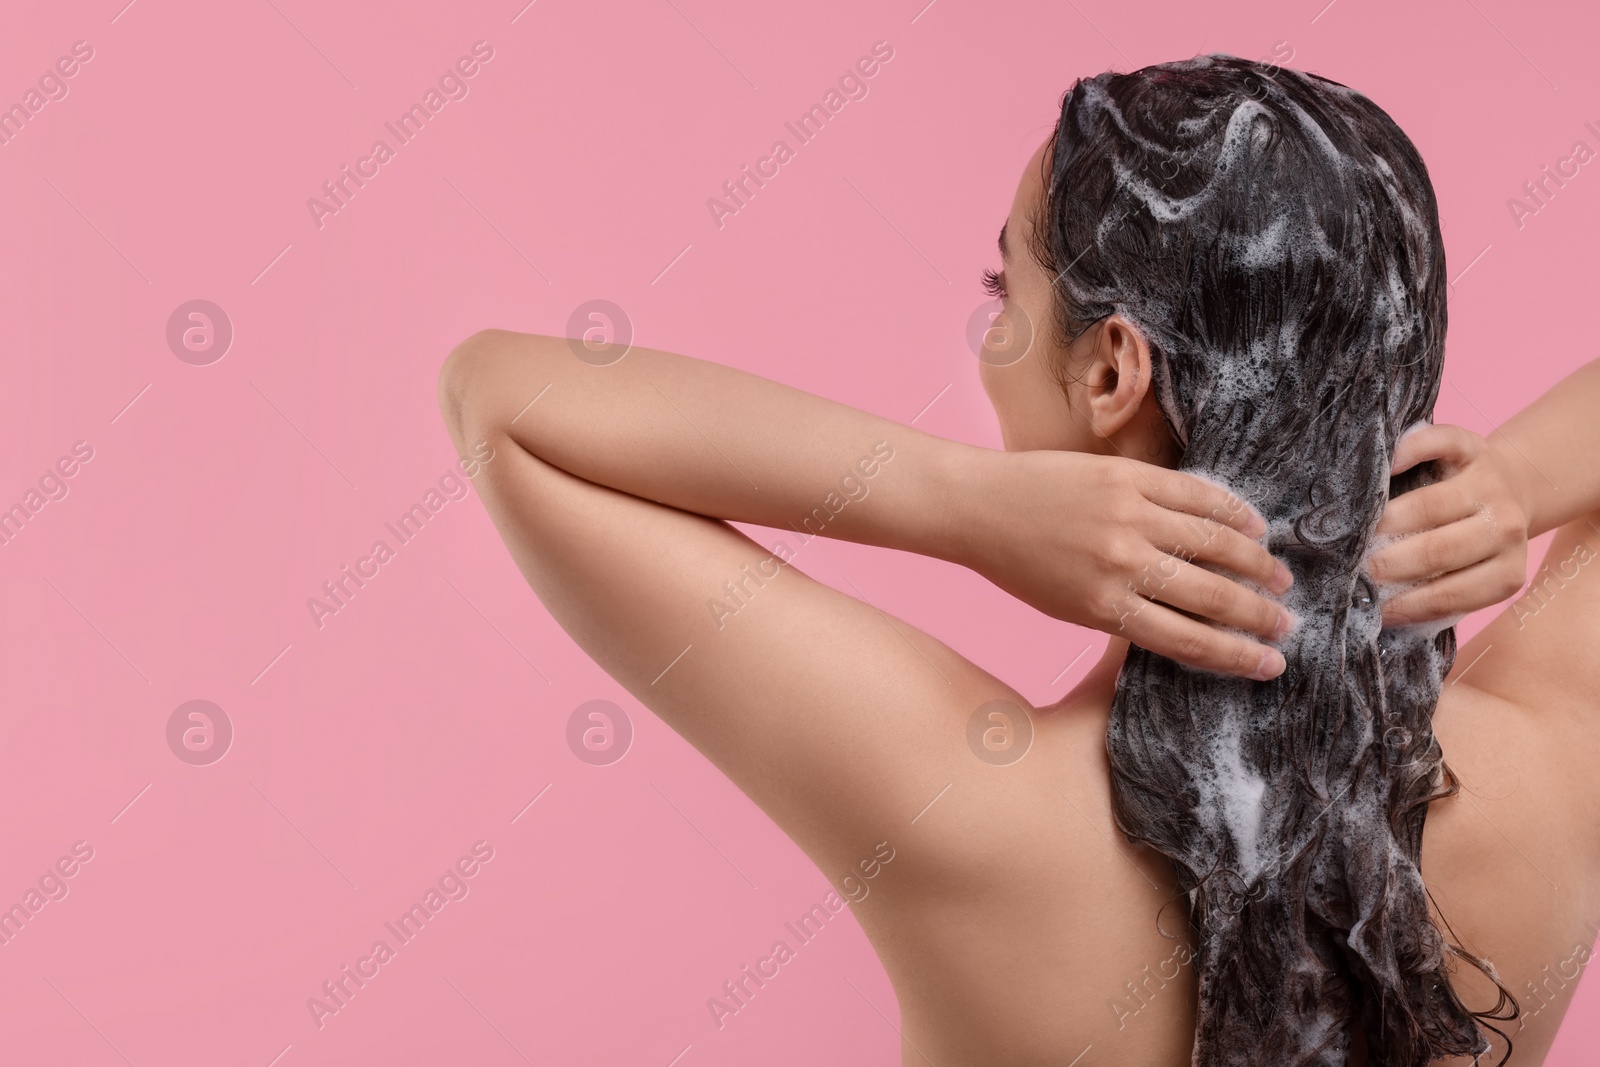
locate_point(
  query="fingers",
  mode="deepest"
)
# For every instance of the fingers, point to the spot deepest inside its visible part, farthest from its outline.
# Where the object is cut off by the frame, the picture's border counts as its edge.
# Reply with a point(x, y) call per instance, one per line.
point(1464, 591)
point(1453, 444)
point(1213, 543)
point(1436, 551)
point(1196, 644)
point(1211, 596)
point(1423, 509)
point(1178, 491)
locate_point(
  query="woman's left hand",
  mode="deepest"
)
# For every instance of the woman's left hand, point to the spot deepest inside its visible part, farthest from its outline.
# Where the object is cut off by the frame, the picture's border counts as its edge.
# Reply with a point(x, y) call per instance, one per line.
point(1457, 545)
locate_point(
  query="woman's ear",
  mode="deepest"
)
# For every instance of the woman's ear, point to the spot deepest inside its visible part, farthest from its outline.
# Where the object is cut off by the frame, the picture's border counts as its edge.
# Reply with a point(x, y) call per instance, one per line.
point(1118, 377)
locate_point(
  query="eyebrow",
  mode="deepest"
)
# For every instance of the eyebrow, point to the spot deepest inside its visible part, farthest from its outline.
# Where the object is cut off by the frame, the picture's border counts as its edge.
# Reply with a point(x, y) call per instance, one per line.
point(1003, 253)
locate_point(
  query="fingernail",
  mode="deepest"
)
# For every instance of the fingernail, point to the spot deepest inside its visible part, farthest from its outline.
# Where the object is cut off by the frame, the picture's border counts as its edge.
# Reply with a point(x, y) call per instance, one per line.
point(1286, 622)
point(1257, 525)
point(1272, 665)
point(1282, 579)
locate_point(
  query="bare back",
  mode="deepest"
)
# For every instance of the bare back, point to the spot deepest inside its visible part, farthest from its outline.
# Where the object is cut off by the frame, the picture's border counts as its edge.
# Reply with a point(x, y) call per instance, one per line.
point(1022, 929)
point(1016, 925)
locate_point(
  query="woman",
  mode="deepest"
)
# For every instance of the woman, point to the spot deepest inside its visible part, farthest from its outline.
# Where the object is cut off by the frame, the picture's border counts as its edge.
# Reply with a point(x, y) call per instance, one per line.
point(1158, 247)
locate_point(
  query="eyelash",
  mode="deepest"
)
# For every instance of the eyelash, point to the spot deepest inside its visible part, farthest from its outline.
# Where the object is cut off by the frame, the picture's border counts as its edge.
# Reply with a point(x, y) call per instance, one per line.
point(993, 285)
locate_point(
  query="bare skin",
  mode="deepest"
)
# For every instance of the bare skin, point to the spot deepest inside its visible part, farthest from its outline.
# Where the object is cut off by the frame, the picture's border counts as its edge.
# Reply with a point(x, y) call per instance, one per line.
point(1016, 925)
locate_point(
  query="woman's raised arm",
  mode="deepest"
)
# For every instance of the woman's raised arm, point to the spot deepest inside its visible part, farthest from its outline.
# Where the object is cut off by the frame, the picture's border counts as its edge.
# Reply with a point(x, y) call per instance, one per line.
point(1553, 448)
point(1091, 540)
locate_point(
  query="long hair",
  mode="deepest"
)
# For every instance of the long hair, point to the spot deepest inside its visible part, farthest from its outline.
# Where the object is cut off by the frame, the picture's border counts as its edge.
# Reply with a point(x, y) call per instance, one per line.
point(1275, 238)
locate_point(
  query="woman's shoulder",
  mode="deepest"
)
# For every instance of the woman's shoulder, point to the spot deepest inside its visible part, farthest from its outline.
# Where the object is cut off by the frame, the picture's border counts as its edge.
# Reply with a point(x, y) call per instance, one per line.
point(1016, 923)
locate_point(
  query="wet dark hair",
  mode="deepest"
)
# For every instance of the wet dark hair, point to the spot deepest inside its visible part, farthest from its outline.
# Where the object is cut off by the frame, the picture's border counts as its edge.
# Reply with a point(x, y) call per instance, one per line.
point(1274, 237)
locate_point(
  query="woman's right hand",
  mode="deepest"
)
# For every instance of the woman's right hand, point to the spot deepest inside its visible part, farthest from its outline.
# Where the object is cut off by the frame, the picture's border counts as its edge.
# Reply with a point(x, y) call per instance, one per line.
point(1128, 548)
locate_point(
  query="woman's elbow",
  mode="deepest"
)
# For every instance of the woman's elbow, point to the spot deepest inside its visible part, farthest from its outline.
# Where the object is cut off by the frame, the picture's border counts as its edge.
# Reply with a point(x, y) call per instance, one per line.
point(467, 372)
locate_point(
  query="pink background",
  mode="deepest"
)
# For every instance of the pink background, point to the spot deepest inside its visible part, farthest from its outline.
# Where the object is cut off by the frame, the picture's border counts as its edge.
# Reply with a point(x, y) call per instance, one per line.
point(371, 753)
